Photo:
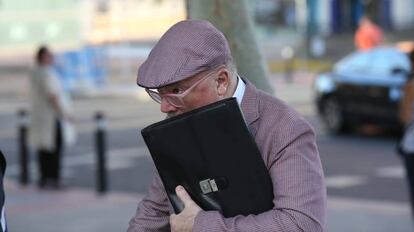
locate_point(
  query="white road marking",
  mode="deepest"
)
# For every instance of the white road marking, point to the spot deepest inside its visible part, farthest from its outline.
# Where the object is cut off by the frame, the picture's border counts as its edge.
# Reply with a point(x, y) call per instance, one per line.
point(344, 181)
point(391, 172)
point(375, 206)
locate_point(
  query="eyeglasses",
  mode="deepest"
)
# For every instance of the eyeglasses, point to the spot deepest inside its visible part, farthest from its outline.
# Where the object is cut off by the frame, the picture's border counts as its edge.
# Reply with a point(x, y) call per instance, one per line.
point(176, 99)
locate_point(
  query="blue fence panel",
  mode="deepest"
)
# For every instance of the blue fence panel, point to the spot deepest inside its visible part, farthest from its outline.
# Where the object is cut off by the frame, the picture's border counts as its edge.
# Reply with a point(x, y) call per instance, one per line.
point(82, 68)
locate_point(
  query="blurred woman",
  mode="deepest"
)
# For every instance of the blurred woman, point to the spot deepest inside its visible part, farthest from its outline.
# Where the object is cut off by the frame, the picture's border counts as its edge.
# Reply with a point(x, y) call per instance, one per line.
point(51, 119)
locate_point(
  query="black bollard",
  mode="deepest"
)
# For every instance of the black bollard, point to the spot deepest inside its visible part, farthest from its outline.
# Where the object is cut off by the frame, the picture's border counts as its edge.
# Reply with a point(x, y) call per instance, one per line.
point(22, 146)
point(101, 180)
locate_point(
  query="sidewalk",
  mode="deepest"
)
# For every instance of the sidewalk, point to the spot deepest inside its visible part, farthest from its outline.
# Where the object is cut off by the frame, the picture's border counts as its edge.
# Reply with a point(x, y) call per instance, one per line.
point(29, 209)
point(72, 209)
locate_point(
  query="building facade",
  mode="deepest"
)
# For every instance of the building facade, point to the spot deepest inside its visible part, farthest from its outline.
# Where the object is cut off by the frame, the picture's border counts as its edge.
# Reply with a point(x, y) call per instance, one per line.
point(70, 24)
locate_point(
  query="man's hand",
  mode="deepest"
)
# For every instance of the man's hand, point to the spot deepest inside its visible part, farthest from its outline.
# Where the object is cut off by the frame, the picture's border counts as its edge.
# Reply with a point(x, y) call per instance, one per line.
point(184, 221)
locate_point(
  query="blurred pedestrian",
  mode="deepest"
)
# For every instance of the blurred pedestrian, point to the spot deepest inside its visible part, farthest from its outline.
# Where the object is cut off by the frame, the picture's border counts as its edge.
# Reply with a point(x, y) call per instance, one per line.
point(51, 120)
point(368, 35)
point(406, 115)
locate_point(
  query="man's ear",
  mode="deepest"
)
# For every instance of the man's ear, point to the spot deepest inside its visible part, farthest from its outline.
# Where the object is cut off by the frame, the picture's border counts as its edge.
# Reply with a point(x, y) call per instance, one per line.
point(223, 82)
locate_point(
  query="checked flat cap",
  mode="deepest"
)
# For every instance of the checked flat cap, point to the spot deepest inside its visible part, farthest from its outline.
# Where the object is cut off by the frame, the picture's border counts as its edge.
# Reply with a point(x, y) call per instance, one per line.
point(186, 49)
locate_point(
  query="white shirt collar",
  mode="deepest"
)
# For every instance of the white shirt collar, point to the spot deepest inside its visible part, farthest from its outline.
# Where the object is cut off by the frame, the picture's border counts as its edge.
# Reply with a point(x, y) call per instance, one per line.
point(241, 87)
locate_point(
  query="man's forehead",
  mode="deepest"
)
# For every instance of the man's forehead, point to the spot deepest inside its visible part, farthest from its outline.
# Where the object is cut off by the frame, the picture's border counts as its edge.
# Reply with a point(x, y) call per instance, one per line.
point(182, 83)
point(175, 85)
point(170, 86)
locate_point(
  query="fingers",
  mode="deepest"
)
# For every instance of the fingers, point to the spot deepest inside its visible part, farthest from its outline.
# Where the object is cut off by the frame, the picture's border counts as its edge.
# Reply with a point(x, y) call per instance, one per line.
point(173, 220)
point(184, 221)
point(183, 195)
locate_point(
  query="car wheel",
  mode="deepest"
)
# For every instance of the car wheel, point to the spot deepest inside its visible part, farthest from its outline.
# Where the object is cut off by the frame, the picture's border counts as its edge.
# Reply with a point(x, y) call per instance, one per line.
point(333, 116)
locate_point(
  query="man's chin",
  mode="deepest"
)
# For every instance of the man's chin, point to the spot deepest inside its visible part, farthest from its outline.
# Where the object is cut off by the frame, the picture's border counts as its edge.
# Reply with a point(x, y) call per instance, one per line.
point(170, 115)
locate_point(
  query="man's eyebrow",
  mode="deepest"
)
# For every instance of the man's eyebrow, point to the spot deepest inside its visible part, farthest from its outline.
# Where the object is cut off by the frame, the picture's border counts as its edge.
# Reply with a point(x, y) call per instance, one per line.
point(168, 88)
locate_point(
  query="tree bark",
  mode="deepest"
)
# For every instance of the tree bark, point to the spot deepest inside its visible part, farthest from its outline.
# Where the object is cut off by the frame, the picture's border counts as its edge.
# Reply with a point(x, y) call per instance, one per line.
point(233, 19)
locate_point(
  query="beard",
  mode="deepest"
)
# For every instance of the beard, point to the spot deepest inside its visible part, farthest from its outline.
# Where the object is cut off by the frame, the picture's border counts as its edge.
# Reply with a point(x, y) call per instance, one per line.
point(170, 115)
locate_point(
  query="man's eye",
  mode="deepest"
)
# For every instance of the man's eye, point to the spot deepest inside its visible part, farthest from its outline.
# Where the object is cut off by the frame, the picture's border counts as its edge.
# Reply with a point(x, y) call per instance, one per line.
point(176, 91)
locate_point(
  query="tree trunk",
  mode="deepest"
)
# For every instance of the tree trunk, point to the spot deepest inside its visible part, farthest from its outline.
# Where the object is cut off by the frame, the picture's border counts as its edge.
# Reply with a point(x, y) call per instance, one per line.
point(233, 19)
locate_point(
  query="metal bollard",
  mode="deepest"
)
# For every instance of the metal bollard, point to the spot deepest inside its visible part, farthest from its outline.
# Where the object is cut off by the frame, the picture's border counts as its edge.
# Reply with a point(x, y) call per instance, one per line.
point(100, 143)
point(23, 121)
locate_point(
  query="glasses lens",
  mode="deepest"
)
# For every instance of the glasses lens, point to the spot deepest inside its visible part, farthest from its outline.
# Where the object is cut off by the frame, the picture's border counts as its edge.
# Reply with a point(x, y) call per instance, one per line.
point(175, 101)
point(154, 95)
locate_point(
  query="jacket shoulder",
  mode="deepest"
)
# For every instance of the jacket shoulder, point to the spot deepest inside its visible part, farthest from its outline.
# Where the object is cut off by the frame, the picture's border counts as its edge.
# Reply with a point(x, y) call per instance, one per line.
point(278, 111)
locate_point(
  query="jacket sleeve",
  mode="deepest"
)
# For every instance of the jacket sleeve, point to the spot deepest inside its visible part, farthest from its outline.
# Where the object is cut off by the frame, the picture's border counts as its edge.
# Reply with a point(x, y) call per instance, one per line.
point(299, 190)
point(153, 211)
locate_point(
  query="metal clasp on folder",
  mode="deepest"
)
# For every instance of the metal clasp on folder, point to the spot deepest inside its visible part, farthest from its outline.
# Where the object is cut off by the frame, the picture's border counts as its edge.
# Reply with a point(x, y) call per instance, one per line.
point(208, 186)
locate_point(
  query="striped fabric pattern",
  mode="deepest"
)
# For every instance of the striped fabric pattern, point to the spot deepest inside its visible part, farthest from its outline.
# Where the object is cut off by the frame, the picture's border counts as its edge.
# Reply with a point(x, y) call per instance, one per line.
point(287, 144)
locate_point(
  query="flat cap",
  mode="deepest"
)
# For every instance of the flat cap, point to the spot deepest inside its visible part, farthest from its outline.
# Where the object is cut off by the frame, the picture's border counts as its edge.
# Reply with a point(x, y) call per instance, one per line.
point(186, 49)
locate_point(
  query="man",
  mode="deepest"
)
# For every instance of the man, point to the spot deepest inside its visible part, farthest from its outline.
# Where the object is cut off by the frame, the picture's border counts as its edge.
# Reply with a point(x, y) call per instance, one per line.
point(191, 66)
point(50, 127)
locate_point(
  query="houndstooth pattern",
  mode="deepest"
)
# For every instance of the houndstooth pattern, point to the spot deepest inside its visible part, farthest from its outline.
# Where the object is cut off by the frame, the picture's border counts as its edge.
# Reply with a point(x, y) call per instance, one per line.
point(287, 144)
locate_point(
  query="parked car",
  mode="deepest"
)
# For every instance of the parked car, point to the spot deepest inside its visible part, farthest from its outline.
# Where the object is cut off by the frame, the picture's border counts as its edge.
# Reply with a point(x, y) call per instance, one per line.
point(363, 87)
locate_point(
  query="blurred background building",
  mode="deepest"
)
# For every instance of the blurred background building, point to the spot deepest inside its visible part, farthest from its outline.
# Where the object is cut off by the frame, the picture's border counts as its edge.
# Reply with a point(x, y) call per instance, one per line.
point(74, 23)
point(81, 33)
point(85, 34)
point(333, 16)
point(71, 24)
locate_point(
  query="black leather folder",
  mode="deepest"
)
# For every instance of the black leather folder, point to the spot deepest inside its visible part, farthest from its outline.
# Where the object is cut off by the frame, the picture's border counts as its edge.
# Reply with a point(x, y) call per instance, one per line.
point(211, 152)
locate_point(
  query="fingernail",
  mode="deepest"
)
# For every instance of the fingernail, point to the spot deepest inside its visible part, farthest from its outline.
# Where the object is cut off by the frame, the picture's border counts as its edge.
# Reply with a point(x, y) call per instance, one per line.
point(179, 188)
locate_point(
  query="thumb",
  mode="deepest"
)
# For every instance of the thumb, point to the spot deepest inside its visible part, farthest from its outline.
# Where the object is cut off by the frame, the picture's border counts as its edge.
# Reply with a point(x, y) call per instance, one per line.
point(183, 195)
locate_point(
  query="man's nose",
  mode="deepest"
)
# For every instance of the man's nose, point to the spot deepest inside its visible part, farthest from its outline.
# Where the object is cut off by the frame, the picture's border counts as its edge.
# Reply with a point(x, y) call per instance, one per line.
point(167, 107)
